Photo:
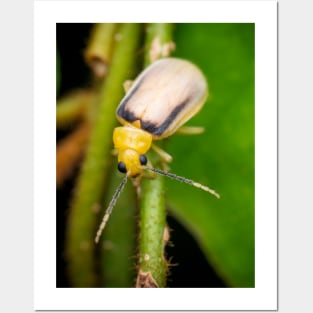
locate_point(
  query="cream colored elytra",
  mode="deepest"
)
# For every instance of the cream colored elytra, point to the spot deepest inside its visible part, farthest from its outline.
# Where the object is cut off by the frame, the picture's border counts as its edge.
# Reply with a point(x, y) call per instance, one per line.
point(164, 97)
point(160, 100)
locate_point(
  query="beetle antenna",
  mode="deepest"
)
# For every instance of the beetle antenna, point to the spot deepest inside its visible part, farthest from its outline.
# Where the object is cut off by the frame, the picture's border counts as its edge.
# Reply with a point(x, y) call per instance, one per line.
point(110, 208)
point(184, 180)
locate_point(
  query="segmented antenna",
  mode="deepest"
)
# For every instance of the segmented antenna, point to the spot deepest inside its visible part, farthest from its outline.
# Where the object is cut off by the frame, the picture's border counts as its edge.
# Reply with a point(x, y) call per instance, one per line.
point(184, 180)
point(110, 207)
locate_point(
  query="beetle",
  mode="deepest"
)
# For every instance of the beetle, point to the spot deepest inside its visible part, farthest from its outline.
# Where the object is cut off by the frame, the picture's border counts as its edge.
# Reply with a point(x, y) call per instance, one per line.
point(156, 105)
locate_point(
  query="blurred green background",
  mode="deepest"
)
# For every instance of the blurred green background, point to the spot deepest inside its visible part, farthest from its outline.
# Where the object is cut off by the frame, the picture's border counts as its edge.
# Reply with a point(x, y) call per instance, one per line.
point(219, 234)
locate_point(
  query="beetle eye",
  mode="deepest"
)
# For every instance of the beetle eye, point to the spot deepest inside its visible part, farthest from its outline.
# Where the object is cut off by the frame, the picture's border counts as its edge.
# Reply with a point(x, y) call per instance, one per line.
point(143, 159)
point(121, 167)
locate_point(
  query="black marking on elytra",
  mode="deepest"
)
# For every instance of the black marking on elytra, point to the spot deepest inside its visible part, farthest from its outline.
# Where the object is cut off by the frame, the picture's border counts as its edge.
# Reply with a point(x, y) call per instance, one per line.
point(124, 113)
point(128, 116)
point(159, 130)
point(148, 126)
point(121, 109)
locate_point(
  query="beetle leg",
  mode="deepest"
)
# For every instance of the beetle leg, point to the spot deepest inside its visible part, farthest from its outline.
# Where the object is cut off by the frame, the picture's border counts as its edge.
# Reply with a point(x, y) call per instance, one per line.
point(165, 167)
point(149, 174)
point(163, 154)
point(127, 85)
point(190, 130)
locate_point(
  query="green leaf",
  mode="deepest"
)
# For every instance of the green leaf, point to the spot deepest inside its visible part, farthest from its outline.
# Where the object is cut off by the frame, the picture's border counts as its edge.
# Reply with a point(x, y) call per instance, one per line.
point(222, 157)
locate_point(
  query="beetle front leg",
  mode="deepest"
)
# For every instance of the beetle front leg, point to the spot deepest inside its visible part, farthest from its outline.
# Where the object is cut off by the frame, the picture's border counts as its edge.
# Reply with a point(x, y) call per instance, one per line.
point(163, 154)
point(148, 174)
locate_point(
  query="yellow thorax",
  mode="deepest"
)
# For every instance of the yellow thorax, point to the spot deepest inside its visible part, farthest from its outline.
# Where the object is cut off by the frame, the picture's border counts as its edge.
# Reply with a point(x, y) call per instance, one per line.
point(131, 142)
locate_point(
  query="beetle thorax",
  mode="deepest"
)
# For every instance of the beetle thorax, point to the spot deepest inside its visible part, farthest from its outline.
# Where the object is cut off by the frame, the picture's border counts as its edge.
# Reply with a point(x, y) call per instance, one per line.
point(131, 142)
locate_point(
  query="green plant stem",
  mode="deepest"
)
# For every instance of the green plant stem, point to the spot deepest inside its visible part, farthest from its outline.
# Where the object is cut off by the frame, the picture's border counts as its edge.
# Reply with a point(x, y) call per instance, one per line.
point(153, 212)
point(152, 227)
point(99, 50)
point(159, 42)
point(82, 223)
point(73, 107)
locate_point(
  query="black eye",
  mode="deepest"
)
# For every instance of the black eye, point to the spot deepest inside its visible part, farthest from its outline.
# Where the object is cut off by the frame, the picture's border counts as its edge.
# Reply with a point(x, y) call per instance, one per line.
point(143, 159)
point(121, 167)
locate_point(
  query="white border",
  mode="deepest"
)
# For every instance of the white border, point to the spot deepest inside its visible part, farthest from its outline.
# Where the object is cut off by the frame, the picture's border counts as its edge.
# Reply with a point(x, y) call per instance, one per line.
point(264, 295)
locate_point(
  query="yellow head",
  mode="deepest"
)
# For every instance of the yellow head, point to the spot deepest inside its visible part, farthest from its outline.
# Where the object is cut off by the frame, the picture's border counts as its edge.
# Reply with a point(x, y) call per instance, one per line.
point(132, 143)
